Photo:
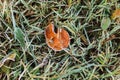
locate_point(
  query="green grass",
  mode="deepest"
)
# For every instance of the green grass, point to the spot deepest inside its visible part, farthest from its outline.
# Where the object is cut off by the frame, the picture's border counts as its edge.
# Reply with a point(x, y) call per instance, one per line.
point(94, 50)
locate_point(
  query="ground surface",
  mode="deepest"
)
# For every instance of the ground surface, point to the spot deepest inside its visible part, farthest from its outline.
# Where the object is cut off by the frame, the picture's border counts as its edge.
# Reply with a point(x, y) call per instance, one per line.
point(93, 52)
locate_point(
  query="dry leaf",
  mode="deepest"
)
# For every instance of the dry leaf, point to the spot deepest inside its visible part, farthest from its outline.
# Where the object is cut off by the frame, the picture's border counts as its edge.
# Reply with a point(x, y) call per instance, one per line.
point(56, 40)
point(116, 15)
point(8, 57)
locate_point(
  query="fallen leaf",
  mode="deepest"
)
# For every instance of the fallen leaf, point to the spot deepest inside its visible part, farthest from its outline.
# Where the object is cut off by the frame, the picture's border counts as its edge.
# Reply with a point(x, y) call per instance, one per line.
point(10, 56)
point(115, 14)
point(56, 40)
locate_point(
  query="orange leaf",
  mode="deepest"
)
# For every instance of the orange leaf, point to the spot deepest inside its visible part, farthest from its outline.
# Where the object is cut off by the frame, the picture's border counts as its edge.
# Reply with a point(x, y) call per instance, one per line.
point(56, 40)
point(116, 14)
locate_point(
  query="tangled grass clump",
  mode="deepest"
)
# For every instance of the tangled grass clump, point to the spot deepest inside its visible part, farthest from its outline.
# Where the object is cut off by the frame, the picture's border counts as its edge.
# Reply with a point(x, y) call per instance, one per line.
point(93, 52)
